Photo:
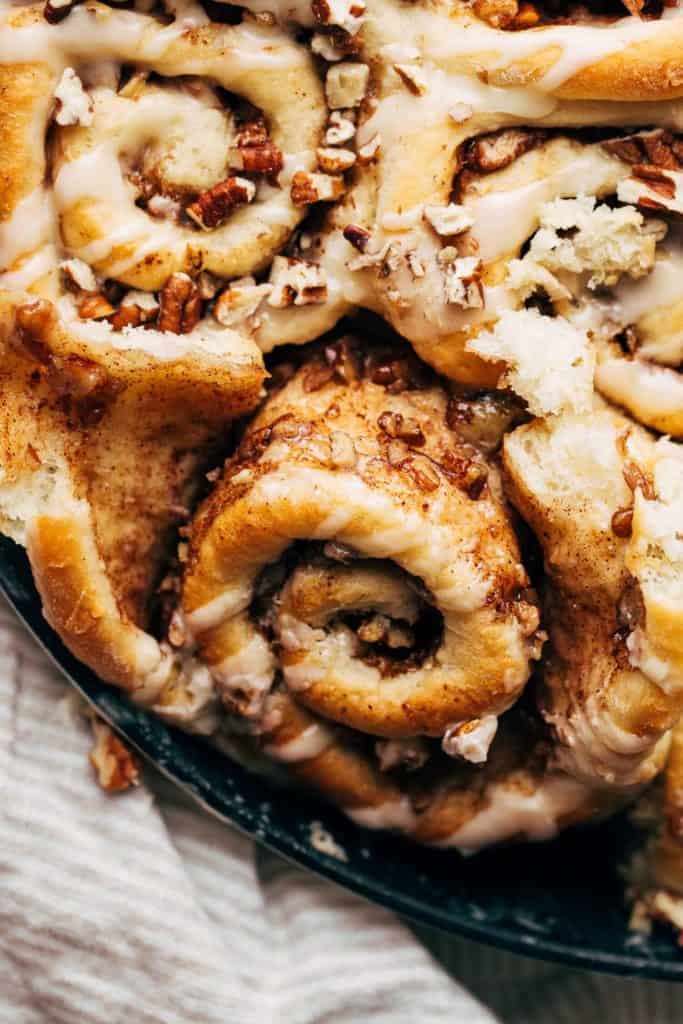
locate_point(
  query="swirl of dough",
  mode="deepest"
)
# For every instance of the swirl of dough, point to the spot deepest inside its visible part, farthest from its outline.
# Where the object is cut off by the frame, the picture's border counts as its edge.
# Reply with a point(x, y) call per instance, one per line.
point(430, 624)
point(604, 499)
point(412, 787)
point(156, 178)
point(102, 445)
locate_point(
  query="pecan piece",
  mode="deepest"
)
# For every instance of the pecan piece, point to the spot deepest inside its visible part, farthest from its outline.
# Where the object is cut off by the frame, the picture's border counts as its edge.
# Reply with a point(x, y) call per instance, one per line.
point(95, 307)
point(357, 236)
point(213, 207)
point(496, 150)
point(395, 425)
point(116, 766)
point(180, 305)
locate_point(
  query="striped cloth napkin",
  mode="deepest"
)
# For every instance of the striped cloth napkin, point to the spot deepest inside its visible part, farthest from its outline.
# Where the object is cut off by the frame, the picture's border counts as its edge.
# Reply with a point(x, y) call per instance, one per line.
point(141, 909)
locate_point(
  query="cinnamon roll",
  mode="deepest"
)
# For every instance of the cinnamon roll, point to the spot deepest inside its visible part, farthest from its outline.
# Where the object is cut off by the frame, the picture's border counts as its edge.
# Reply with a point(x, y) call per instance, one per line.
point(604, 500)
point(102, 449)
point(432, 623)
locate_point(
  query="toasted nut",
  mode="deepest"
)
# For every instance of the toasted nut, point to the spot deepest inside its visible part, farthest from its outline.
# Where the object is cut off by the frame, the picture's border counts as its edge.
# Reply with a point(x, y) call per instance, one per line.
point(631, 151)
point(324, 45)
point(357, 236)
point(462, 279)
point(412, 77)
point(343, 451)
point(78, 275)
point(315, 188)
point(296, 283)
point(460, 112)
point(335, 161)
point(258, 158)
point(422, 472)
point(146, 302)
point(346, 14)
point(395, 425)
point(240, 301)
point(346, 84)
point(116, 766)
point(369, 152)
point(95, 307)
point(415, 265)
point(340, 129)
point(496, 150)
point(180, 305)
point(622, 522)
point(125, 316)
point(499, 13)
point(449, 220)
point(527, 16)
point(214, 206)
point(636, 478)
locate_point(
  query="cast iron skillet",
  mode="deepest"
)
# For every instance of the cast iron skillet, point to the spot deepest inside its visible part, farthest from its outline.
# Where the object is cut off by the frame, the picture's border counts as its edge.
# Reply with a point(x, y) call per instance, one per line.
point(557, 901)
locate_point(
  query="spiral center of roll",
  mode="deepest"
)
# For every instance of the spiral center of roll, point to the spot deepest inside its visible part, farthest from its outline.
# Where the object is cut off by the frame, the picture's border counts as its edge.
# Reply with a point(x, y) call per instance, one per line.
point(370, 610)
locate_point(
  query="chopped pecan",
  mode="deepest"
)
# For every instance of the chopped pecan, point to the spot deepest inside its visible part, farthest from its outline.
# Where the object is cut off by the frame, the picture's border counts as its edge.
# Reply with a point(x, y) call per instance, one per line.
point(116, 767)
point(95, 307)
point(296, 283)
point(527, 16)
point(125, 316)
point(317, 376)
point(412, 77)
point(343, 356)
point(342, 450)
point(369, 152)
point(346, 84)
point(180, 305)
point(213, 207)
point(622, 522)
point(357, 236)
point(499, 13)
point(397, 426)
point(334, 160)
point(657, 179)
point(340, 128)
point(240, 301)
point(254, 151)
point(346, 14)
point(449, 220)
point(422, 472)
point(496, 150)
point(635, 477)
point(659, 150)
point(315, 188)
point(629, 150)
point(467, 474)
point(78, 275)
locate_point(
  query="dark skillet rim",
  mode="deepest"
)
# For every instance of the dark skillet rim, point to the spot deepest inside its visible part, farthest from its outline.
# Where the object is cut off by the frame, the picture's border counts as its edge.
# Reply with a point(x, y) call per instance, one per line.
point(166, 749)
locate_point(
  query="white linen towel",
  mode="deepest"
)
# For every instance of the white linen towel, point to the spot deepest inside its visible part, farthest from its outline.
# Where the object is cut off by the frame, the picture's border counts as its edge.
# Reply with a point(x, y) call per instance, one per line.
point(142, 909)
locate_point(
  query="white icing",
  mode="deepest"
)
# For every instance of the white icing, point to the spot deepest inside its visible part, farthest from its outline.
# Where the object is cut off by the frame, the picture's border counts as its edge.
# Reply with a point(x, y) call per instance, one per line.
point(512, 813)
point(470, 740)
point(308, 744)
point(398, 815)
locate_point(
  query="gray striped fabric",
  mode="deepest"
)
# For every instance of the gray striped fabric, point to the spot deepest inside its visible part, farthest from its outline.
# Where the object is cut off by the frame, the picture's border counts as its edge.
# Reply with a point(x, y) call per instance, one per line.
point(140, 909)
